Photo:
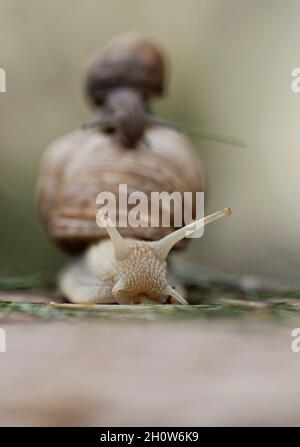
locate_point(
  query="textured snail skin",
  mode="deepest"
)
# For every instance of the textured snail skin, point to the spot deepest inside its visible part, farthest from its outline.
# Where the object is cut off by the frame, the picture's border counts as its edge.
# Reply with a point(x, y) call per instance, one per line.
point(125, 271)
point(99, 278)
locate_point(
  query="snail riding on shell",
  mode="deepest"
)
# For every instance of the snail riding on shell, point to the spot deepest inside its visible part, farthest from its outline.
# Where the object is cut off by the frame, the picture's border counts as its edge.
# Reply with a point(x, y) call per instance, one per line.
point(125, 144)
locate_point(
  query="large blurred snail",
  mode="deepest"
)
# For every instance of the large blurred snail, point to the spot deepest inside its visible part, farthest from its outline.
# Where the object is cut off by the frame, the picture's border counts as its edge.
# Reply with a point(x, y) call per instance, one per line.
point(125, 144)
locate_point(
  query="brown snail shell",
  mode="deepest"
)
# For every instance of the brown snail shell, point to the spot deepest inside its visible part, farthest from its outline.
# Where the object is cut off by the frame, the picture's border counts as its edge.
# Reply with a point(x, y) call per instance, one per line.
point(130, 61)
point(80, 165)
point(125, 150)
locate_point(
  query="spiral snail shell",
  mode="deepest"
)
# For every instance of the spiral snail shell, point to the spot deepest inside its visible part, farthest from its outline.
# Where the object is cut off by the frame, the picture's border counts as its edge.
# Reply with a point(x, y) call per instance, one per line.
point(130, 61)
point(124, 145)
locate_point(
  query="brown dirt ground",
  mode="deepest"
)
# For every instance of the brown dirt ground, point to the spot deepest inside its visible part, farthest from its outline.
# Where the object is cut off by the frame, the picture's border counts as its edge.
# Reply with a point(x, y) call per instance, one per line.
point(148, 373)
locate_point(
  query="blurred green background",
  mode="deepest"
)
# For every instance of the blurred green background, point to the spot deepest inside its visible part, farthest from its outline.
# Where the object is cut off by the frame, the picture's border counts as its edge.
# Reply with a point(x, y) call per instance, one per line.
point(231, 72)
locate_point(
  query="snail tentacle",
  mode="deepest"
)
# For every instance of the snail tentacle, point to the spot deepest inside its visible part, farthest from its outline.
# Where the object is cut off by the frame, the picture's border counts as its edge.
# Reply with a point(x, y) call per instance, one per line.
point(120, 245)
point(173, 293)
point(164, 245)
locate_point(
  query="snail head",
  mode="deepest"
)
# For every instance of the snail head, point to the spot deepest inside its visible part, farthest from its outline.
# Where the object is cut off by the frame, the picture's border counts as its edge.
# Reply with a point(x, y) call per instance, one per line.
point(142, 267)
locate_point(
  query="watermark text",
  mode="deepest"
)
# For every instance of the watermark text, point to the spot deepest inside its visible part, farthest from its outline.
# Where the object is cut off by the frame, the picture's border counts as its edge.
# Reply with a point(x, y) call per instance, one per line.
point(2, 80)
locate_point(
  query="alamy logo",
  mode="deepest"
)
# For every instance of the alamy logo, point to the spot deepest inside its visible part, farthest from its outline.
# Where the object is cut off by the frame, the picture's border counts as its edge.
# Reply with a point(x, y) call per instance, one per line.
point(295, 345)
point(2, 340)
point(2, 80)
point(138, 209)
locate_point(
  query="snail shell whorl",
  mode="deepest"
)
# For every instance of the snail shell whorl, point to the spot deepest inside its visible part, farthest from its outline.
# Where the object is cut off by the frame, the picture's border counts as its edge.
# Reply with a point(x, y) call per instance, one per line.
point(80, 165)
point(130, 61)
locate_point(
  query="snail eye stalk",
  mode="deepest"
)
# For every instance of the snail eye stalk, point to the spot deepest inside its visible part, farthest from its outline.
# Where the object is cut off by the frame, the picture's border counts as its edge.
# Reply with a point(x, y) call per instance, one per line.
point(121, 247)
point(164, 245)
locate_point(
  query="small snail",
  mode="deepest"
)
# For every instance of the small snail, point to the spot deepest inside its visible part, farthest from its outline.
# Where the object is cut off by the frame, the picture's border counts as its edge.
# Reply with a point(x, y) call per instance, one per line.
point(128, 145)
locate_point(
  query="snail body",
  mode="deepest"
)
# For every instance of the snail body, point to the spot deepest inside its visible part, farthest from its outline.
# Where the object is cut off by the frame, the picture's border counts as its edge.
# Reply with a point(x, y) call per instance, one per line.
point(125, 271)
point(124, 145)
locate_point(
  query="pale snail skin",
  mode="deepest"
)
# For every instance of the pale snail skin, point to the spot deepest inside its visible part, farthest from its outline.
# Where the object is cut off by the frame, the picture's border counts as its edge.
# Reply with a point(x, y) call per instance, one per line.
point(126, 271)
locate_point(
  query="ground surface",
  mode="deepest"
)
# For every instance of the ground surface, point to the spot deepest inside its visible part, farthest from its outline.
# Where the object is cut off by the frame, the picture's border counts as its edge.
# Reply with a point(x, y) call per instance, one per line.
point(146, 366)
